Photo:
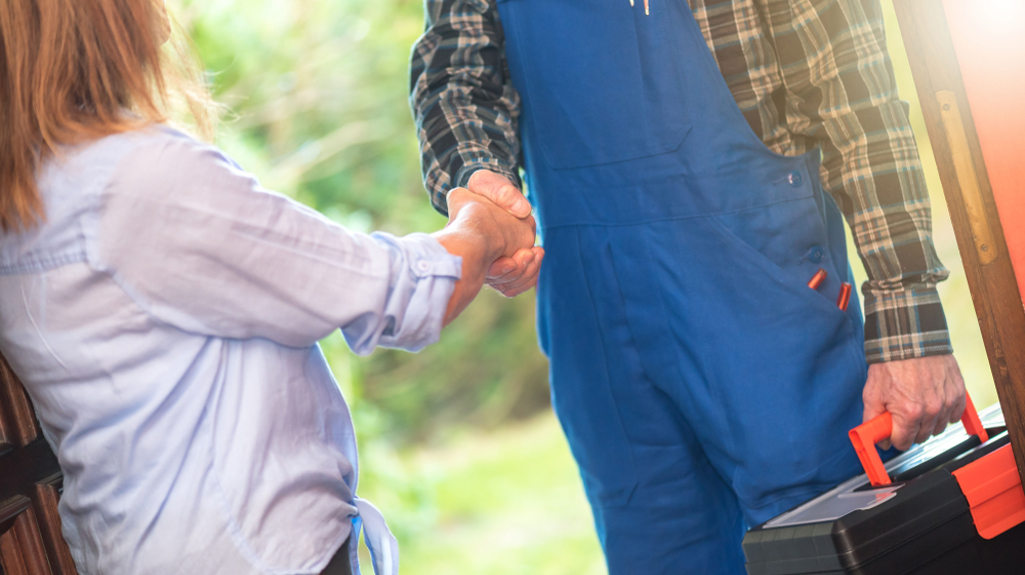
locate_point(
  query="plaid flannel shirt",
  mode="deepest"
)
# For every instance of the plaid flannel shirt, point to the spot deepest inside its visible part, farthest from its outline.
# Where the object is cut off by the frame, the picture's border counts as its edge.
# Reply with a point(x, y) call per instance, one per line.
point(805, 73)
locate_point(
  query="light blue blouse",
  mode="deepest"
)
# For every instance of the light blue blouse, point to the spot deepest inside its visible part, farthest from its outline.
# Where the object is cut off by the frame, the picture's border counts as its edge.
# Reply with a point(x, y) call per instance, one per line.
point(164, 320)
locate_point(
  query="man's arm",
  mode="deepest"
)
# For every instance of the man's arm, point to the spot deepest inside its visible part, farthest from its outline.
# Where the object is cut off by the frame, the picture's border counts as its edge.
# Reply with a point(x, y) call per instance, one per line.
point(841, 93)
point(465, 108)
point(466, 115)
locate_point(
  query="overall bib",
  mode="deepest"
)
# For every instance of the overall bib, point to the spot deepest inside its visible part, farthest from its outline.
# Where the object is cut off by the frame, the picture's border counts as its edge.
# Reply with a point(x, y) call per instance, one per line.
point(702, 385)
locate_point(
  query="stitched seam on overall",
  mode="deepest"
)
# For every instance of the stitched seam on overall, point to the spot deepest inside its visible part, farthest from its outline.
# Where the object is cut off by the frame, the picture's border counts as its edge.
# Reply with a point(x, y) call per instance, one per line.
point(634, 480)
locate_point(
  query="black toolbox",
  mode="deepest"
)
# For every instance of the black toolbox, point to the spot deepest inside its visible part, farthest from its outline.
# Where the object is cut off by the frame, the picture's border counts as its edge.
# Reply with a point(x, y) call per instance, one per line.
point(944, 492)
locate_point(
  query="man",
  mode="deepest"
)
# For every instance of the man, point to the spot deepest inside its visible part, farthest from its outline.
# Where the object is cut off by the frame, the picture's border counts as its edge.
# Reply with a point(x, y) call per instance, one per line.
point(704, 382)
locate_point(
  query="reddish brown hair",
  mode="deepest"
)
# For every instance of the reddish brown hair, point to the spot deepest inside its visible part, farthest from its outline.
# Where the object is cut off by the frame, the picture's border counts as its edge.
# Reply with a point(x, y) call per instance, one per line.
point(76, 70)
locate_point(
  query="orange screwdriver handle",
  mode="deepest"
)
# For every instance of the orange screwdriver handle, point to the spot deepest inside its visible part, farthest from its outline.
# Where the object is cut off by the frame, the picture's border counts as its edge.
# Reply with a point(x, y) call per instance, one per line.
point(868, 434)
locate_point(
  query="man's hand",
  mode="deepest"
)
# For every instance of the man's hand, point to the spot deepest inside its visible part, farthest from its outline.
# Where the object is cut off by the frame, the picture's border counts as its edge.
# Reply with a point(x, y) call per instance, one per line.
point(513, 275)
point(922, 394)
point(481, 233)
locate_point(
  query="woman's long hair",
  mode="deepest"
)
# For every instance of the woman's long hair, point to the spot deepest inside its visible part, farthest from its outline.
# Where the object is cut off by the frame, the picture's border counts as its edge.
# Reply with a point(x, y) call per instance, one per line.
point(75, 70)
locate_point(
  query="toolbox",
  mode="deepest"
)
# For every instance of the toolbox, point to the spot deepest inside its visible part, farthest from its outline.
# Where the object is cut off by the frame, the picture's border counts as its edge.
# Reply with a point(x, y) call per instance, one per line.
point(953, 504)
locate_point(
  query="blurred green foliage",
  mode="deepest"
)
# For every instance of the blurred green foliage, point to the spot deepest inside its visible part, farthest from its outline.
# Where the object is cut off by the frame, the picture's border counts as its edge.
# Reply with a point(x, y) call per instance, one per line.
point(317, 97)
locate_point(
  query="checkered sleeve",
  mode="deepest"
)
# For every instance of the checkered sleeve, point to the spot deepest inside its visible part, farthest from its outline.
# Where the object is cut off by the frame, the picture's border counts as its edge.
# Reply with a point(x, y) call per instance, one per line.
point(840, 91)
point(465, 108)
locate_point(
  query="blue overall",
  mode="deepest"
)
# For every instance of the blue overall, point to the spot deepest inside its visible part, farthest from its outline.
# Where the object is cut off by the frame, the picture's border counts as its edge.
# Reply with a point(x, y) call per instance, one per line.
point(703, 386)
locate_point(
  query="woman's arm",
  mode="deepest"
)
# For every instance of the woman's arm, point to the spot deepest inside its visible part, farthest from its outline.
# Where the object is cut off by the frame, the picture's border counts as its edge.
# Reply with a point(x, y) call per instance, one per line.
point(198, 244)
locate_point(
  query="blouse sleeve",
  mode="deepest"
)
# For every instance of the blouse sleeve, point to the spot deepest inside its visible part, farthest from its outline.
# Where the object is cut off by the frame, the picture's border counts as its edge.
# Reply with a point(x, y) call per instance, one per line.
point(200, 245)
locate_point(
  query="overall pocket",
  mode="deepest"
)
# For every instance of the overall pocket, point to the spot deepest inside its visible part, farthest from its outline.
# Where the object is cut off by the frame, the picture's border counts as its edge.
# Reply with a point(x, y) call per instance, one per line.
point(600, 80)
point(794, 363)
point(792, 239)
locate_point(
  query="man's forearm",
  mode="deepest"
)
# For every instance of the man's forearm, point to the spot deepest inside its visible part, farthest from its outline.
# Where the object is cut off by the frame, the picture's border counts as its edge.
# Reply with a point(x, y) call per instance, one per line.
point(465, 109)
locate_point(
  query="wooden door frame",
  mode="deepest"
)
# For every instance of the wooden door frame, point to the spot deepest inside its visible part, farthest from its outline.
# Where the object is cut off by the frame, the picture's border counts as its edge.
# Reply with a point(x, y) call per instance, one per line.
point(973, 211)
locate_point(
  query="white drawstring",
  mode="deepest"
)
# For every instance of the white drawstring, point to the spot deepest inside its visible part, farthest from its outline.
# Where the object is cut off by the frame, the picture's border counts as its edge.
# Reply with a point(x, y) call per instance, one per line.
point(646, 11)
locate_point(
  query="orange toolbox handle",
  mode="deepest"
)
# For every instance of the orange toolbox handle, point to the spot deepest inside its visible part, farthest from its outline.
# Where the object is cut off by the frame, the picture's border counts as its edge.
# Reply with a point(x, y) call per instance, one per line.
point(868, 434)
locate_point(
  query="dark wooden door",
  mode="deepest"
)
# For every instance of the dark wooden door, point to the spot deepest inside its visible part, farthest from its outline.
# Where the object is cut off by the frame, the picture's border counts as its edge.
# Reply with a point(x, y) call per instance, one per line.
point(30, 485)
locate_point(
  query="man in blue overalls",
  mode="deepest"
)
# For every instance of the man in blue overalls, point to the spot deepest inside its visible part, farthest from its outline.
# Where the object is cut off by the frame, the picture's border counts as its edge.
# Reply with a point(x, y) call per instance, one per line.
point(704, 385)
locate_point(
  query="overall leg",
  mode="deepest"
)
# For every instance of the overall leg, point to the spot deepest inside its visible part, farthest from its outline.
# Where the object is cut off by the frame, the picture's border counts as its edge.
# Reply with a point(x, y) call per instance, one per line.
point(659, 505)
point(682, 517)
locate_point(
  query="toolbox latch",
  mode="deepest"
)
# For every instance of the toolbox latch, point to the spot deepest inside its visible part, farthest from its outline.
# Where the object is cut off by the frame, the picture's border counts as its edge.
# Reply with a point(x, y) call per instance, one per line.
point(992, 486)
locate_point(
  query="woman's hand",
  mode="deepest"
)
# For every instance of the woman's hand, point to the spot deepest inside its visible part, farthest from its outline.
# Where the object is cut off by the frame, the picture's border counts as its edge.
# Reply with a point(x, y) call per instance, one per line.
point(482, 233)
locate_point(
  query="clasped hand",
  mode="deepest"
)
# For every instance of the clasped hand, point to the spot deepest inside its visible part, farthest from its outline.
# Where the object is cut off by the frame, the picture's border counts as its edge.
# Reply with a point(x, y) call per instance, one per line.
point(488, 237)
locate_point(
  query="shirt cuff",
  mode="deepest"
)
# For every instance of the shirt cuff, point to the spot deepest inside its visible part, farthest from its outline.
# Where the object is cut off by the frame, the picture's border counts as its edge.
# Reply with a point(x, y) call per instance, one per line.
point(423, 276)
point(462, 167)
point(905, 323)
point(463, 175)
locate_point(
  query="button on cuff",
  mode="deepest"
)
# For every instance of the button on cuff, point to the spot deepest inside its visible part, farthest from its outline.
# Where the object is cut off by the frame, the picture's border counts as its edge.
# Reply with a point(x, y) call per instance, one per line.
point(444, 266)
point(427, 257)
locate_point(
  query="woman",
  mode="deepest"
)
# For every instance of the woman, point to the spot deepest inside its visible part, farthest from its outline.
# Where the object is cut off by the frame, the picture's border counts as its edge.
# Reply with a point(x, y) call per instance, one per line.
point(162, 309)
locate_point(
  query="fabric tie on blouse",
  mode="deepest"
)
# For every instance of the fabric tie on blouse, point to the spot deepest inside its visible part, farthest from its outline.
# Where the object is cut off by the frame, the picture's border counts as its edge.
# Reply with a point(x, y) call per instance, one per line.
point(384, 548)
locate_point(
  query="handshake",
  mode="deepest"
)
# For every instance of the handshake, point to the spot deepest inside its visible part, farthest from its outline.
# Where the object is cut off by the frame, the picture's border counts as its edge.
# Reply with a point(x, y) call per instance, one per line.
point(491, 228)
